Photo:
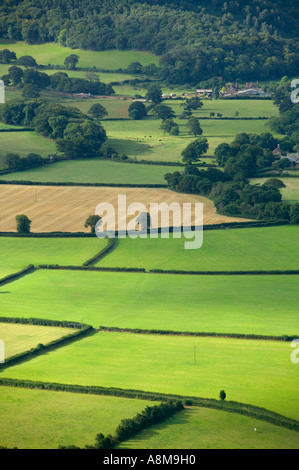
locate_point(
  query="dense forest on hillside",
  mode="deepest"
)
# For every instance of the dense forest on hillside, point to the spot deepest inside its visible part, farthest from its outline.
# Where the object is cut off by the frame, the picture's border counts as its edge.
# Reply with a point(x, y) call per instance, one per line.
point(196, 40)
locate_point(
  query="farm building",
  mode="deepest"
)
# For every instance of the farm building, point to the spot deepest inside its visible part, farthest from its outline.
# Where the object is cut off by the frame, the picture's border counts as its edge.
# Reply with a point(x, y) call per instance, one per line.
point(82, 95)
point(293, 158)
point(277, 151)
point(252, 92)
point(202, 92)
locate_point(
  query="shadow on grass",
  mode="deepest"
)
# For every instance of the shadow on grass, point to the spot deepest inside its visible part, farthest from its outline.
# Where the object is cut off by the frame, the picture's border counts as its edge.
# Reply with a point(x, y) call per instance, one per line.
point(46, 350)
point(129, 147)
point(155, 431)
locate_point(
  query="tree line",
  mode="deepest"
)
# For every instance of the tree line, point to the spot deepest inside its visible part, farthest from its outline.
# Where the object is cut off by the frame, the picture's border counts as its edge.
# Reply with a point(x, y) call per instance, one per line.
point(230, 189)
point(128, 428)
point(196, 40)
point(77, 135)
point(32, 80)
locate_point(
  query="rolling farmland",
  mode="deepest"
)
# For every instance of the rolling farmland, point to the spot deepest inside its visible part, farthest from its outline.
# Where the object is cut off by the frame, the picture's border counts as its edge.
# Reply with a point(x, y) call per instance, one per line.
point(271, 248)
point(19, 338)
point(119, 360)
point(248, 304)
point(58, 417)
point(95, 171)
point(18, 253)
point(65, 209)
point(199, 333)
point(200, 428)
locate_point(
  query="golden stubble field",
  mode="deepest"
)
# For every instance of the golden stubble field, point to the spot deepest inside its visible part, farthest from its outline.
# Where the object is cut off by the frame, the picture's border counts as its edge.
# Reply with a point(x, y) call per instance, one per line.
point(65, 209)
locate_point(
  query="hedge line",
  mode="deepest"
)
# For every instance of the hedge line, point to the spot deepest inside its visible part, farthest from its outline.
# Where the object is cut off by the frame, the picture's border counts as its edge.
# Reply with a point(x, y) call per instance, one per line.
point(24, 129)
point(225, 273)
point(110, 247)
point(198, 333)
point(43, 322)
point(40, 348)
point(98, 185)
point(229, 406)
point(48, 235)
point(161, 163)
point(17, 275)
point(255, 223)
point(150, 416)
point(90, 268)
point(234, 118)
point(223, 226)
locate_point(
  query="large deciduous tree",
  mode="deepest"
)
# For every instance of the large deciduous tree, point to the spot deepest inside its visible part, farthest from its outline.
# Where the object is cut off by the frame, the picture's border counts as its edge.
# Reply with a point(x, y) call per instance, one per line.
point(195, 150)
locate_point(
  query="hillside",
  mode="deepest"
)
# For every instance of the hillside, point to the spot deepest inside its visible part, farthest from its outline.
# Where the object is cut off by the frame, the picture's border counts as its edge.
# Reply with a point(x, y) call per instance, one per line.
point(195, 40)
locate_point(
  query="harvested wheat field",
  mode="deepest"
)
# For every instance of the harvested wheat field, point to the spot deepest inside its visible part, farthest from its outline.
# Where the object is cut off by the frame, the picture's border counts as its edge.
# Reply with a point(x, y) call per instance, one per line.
point(65, 209)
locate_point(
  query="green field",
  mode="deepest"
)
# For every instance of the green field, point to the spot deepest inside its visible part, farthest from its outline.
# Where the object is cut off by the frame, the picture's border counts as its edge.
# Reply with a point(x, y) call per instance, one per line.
point(200, 428)
point(117, 108)
point(18, 253)
point(19, 338)
point(102, 76)
point(94, 171)
point(55, 54)
point(154, 145)
point(224, 304)
point(270, 248)
point(290, 193)
point(6, 127)
point(24, 143)
point(246, 108)
point(36, 419)
point(256, 372)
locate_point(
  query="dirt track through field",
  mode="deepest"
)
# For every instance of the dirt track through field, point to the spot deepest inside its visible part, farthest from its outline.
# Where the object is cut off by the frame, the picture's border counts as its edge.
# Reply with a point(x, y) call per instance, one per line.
point(65, 209)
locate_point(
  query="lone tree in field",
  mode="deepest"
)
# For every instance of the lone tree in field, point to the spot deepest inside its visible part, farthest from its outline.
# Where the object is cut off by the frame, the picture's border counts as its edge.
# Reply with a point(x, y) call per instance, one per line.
point(137, 110)
point(192, 104)
point(170, 126)
point(277, 183)
point(154, 93)
point(193, 126)
point(162, 111)
point(23, 224)
point(91, 222)
point(222, 395)
point(71, 61)
point(27, 61)
point(97, 111)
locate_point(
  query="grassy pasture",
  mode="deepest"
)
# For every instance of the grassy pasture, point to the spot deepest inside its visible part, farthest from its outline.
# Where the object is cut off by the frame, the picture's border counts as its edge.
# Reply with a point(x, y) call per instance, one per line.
point(290, 193)
point(55, 54)
point(6, 126)
point(200, 428)
point(254, 372)
point(164, 147)
point(35, 419)
point(267, 248)
point(17, 253)
point(94, 171)
point(24, 143)
point(116, 108)
point(246, 108)
point(19, 338)
point(223, 304)
point(103, 76)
